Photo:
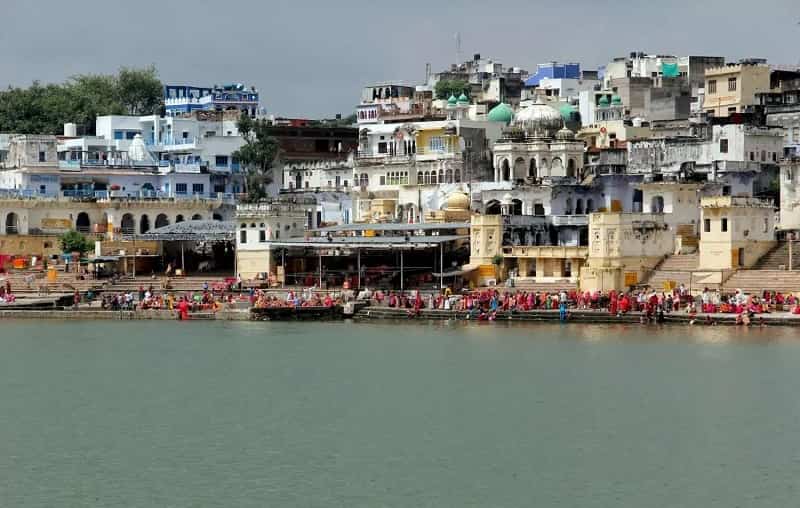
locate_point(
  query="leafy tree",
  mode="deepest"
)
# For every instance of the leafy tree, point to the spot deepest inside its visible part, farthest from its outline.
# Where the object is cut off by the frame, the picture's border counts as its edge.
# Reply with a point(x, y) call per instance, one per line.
point(257, 156)
point(72, 241)
point(447, 87)
point(139, 90)
point(44, 109)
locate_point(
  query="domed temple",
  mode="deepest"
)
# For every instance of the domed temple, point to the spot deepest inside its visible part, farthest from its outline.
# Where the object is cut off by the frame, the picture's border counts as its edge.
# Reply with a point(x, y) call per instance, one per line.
point(537, 146)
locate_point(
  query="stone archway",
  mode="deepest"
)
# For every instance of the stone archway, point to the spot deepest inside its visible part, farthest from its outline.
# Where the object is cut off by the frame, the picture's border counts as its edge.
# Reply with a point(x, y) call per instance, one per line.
point(144, 224)
point(505, 171)
point(128, 224)
point(162, 220)
point(82, 223)
point(12, 224)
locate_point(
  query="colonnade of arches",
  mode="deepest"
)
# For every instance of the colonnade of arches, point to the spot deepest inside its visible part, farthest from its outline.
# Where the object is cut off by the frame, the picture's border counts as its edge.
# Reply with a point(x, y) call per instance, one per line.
point(535, 169)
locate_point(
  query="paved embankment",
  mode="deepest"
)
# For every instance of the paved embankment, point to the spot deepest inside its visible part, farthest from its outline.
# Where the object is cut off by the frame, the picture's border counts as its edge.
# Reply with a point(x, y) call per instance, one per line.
point(224, 315)
point(579, 316)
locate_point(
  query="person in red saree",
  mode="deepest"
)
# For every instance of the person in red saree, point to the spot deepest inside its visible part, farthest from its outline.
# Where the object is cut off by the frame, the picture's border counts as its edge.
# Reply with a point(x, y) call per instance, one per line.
point(612, 304)
point(183, 309)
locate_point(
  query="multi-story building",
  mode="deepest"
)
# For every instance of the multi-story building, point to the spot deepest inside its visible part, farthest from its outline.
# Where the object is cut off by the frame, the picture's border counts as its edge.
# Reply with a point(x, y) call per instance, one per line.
point(732, 88)
point(565, 81)
point(640, 65)
point(394, 102)
point(406, 170)
point(782, 108)
point(182, 99)
point(489, 81)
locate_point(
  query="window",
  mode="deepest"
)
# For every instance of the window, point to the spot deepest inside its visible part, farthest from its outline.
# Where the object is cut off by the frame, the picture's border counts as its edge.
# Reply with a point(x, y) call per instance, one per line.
point(221, 160)
point(243, 236)
point(724, 225)
point(42, 156)
point(119, 135)
point(774, 156)
point(383, 180)
point(731, 84)
point(752, 156)
point(723, 146)
point(306, 182)
point(130, 134)
point(707, 226)
point(262, 236)
point(180, 188)
point(763, 155)
point(712, 86)
point(42, 189)
point(382, 147)
point(198, 188)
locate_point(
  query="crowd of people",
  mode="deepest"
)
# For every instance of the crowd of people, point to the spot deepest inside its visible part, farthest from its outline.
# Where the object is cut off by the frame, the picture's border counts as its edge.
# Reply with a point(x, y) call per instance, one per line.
point(307, 298)
point(6, 296)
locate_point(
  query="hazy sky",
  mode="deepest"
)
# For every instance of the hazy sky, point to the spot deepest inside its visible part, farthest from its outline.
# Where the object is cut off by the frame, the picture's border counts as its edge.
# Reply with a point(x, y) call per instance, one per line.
point(310, 58)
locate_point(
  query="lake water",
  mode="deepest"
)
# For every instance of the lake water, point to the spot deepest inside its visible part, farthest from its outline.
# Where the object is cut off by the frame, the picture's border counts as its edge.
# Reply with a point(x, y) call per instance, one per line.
point(168, 414)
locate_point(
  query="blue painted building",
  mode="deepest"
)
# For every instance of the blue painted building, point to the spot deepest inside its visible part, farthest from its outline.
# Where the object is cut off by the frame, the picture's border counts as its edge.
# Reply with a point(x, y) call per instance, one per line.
point(180, 99)
point(554, 70)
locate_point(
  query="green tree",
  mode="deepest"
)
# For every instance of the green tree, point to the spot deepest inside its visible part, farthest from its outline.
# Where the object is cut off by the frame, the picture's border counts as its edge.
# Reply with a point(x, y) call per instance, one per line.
point(44, 109)
point(139, 91)
point(447, 87)
point(72, 241)
point(257, 156)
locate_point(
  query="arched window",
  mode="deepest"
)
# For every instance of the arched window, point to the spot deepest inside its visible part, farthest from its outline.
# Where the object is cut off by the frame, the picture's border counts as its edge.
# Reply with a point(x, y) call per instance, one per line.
point(363, 180)
point(448, 176)
point(506, 171)
point(532, 169)
point(493, 207)
point(568, 207)
point(519, 168)
point(427, 178)
point(12, 224)
point(457, 176)
point(571, 169)
point(128, 224)
point(179, 218)
point(579, 207)
point(197, 216)
point(82, 223)
point(589, 206)
point(420, 178)
point(516, 207)
point(161, 220)
point(144, 224)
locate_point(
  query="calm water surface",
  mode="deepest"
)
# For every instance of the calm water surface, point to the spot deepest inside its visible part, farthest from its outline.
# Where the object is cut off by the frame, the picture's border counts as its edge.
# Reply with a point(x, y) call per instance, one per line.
point(198, 414)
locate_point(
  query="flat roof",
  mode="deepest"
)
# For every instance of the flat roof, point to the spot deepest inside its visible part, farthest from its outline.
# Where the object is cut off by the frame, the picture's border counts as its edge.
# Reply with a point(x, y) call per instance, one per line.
point(392, 227)
point(375, 242)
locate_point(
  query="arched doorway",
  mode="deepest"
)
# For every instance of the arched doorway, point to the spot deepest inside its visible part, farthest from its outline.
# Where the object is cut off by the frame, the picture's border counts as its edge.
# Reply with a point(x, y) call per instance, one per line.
point(82, 223)
point(579, 207)
point(128, 224)
point(178, 218)
point(571, 169)
point(144, 224)
point(217, 217)
point(568, 207)
point(505, 171)
point(589, 206)
point(519, 168)
point(197, 216)
point(556, 167)
point(532, 173)
point(12, 224)
point(516, 207)
point(493, 207)
point(161, 220)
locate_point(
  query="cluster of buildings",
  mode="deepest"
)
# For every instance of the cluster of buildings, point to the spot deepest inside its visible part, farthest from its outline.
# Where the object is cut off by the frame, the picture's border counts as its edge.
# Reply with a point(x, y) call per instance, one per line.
point(558, 176)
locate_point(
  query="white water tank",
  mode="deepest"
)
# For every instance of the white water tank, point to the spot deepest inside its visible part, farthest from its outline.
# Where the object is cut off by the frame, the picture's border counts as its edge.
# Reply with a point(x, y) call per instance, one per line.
point(70, 130)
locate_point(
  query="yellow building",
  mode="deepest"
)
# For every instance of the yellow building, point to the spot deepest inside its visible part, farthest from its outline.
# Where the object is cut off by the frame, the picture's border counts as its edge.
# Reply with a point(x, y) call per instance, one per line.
point(732, 88)
point(623, 247)
point(735, 231)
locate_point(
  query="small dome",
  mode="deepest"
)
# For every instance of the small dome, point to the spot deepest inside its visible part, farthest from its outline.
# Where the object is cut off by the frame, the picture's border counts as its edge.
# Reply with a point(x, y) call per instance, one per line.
point(566, 111)
point(463, 99)
point(458, 201)
point(539, 119)
point(603, 103)
point(501, 113)
point(616, 100)
point(565, 134)
point(452, 100)
point(507, 199)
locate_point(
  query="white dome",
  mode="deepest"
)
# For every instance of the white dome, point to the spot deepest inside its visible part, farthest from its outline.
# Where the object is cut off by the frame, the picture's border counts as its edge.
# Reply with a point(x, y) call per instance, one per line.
point(538, 119)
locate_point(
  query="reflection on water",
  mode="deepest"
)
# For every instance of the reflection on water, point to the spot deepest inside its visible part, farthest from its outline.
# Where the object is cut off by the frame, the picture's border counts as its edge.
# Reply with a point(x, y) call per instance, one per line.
point(422, 414)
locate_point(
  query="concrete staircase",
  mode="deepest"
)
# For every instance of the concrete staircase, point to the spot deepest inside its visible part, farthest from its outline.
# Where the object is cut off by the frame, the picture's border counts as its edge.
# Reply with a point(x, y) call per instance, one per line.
point(778, 258)
point(755, 281)
point(533, 286)
point(678, 268)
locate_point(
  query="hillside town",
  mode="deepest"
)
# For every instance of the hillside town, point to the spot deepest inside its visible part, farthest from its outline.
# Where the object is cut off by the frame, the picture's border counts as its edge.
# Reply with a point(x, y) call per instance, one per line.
point(652, 173)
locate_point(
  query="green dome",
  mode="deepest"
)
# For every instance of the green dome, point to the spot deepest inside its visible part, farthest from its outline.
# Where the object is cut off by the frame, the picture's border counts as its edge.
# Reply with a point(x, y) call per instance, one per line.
point(501, 113)
point(616, 100)
point(603, 101)
point(452, 100)
point(566, 111)
point(463, 99)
